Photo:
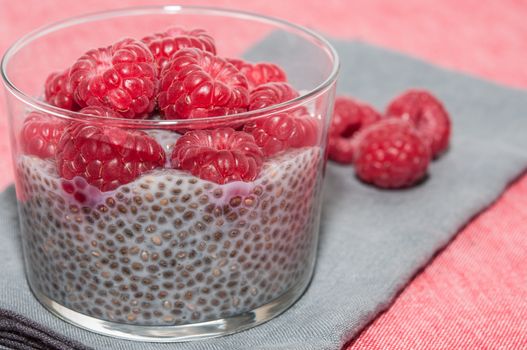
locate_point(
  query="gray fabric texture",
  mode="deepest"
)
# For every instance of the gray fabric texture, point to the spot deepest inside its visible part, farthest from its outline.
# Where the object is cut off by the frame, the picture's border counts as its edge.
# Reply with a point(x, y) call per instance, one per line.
point(372, 241)
point(21, 333)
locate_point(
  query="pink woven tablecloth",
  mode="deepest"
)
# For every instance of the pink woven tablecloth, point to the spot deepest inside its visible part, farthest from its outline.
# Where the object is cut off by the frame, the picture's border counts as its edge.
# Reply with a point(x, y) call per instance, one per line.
point(474, 294)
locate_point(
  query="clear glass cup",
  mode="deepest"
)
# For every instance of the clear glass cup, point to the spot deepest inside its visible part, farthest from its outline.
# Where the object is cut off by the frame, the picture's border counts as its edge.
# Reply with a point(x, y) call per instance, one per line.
point(168, 256)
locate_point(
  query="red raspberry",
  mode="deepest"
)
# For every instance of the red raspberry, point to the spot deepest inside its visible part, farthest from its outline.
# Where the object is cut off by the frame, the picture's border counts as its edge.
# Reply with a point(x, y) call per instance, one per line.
point(100, 111)
point(259, 73)
point(391, 154)
point(164, 45)
point(58, 91)
point(270, 94)
point(121, 77)
point(221, 155)
point(305, 133)
point(197, 84)
point(281, 131)
point(349, 116)
point(41, 134)
point(106, 157)
point(428, 116)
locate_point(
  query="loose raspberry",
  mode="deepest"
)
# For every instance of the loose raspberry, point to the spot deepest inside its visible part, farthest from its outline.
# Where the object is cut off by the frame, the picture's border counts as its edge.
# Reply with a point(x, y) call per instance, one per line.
point(270, 94)
point(349, 116)
point(106, 157)
point(164, 45)
point(259, 73)
point(58, 91)
point(121, 77)
point(197, 84)
point(428, 116)
point(391, 154)
point(41, 134)
point(221, 155)
point(282, 131)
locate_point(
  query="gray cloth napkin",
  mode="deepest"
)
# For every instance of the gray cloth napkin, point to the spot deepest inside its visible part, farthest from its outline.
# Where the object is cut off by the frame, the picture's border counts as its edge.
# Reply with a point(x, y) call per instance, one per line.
point(372, 241)
point(19, 332)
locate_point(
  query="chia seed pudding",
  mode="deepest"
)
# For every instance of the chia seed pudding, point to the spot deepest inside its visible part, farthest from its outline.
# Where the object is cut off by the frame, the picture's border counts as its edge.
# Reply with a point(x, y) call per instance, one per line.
point(168, 190)
point(170, 248)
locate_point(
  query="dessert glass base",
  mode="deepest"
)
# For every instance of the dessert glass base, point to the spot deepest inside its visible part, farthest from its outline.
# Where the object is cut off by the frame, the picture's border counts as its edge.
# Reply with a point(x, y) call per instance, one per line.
point(181, 333)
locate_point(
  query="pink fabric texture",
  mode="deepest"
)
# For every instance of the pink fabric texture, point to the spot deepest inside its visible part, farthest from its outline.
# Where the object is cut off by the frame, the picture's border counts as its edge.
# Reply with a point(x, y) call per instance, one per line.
point(474, 294)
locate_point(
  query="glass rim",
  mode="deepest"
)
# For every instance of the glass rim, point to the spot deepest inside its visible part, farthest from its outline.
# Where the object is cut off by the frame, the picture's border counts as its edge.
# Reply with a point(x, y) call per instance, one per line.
point(44, 107)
